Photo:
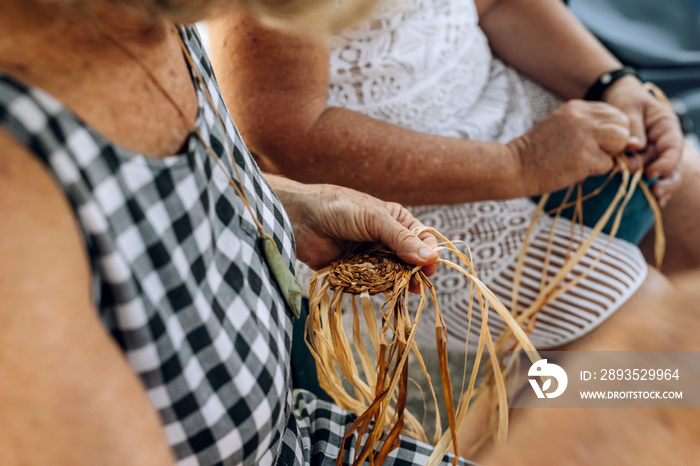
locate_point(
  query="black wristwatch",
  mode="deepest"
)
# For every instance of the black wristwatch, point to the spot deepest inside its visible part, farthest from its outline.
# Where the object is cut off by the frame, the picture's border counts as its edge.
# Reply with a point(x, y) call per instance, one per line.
point(607, 79)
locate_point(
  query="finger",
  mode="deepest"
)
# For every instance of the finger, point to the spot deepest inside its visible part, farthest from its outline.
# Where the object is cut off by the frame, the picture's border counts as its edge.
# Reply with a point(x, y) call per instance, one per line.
point(664, 188)
point(414, 286)
point(411, 249)
point(432, 243)
point(638, 137)
point(664, 164)
point(429, 240)
point(607, 113)
point(429, 270)
point(406, 244)
point(669, 155)
point(646, 156)
point(428, 254)
point(667, 124)
point(633, 161)
point(611, 138)
point(666, 140)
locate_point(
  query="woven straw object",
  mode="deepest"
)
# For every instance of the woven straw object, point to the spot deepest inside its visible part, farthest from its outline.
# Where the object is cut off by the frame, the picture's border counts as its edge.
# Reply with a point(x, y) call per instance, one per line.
point(378, 389)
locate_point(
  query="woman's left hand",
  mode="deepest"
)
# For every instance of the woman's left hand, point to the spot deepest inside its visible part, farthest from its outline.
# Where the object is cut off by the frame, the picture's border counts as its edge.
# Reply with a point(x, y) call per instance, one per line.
point(328, 220)
point(655, 133)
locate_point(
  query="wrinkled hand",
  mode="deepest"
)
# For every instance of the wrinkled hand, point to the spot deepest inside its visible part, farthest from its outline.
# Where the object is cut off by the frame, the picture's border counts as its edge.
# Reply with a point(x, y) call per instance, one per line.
point(329, 220)
point(577, 140)
point(655, 133)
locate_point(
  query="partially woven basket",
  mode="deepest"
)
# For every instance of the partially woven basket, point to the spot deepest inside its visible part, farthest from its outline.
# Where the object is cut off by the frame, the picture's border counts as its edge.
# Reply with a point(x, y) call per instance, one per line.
point(374, 272)
point(378, 393)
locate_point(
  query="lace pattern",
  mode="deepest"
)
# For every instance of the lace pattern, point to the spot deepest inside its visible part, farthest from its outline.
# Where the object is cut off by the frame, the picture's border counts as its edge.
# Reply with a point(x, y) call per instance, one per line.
point(425, 65)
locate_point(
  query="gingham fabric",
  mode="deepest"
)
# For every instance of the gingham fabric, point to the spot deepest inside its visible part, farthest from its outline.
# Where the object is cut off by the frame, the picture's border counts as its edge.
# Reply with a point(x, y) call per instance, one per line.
point(180, 281)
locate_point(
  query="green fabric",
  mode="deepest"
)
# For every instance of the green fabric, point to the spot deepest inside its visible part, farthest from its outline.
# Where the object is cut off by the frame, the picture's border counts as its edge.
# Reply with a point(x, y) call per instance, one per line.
point(637, 218)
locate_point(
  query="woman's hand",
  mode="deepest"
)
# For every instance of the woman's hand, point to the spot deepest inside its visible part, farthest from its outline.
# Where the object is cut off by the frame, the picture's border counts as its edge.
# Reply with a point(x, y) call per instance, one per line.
point(654, 132)
point(577, 140)
point(328, 220)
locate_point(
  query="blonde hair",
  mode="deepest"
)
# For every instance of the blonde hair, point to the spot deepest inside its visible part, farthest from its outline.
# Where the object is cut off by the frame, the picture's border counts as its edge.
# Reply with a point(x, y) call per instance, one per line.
point(324, 16)
point(310, 16)
point(175, 10)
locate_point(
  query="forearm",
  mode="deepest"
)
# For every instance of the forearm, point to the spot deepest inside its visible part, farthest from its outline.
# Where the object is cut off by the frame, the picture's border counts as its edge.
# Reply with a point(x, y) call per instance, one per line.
point(542, 39)
point(351, 149)
point(276, 86)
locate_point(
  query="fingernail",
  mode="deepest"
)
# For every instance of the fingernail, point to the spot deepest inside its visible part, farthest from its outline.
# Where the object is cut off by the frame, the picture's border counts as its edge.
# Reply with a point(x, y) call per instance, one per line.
point(424, 253)
point(635, 140)
point(415, 285)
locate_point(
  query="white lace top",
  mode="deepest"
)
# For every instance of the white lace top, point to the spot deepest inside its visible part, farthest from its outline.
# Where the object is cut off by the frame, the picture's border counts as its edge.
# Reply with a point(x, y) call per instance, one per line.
point(425, 65)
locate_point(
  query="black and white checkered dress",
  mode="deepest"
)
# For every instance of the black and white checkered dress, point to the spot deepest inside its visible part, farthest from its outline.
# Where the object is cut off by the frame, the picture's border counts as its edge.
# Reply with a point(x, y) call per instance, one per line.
point(180, 282)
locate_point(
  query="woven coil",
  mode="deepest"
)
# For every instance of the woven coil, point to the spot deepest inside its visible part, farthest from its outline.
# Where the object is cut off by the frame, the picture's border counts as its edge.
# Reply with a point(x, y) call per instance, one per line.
point(373, 271)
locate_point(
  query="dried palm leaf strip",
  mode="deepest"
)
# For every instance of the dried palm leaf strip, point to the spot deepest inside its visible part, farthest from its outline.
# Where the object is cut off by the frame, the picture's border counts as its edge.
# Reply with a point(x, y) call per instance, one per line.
point(557, 286)
point(552, 288)
point(379, 399)
point(625, 191)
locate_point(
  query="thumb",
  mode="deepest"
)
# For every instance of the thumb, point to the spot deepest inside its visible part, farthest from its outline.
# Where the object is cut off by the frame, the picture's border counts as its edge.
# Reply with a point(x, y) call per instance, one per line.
point(638, 136)
point(407, 245)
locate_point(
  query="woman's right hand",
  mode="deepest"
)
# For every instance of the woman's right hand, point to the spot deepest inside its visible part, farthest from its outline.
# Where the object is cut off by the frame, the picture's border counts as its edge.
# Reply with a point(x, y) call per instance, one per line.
point(330, 220)
point(577, 140)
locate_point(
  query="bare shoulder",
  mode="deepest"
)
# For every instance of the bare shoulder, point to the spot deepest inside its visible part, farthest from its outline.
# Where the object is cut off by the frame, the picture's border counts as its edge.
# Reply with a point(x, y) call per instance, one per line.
point(38, 234)
point(68, 396)
point(44, 273)
point(269, 76)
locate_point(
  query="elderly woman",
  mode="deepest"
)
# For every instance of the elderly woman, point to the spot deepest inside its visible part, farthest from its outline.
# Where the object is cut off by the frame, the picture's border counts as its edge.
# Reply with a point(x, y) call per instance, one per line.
point(142, 324)
point(427, 103)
